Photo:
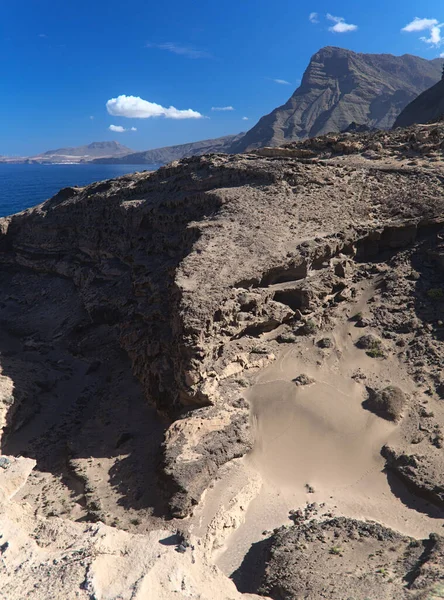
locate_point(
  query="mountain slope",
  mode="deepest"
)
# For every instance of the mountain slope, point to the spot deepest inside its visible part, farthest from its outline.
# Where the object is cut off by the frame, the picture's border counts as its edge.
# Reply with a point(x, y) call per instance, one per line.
point(341, 86)
point(428, 106)
point(93, 150)
point(169, 153)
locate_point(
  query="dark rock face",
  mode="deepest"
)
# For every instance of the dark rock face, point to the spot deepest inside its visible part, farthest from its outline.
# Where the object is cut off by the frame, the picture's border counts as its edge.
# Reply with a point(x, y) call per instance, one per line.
point(428, 107)
point(340, 87)
point(423, 474)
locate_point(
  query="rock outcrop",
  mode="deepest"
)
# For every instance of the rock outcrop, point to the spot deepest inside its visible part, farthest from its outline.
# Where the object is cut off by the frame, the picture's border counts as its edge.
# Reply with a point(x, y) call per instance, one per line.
point(340, 87)
point(350, 559)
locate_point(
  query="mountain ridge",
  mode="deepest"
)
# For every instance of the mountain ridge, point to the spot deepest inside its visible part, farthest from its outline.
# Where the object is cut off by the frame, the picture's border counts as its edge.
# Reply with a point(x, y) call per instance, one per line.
point(427, 107)
point(167, 154)
point(95, 147)
point(72, 154)
point(110, 148)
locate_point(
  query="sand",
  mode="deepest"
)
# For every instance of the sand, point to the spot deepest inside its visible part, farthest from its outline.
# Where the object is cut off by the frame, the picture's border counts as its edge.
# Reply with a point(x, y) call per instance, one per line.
point(316, 443)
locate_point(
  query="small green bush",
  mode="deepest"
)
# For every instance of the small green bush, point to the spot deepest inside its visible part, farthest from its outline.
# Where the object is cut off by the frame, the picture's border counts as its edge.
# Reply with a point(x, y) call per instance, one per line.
point(435, 294)
point(309, 327)
point(375, 353)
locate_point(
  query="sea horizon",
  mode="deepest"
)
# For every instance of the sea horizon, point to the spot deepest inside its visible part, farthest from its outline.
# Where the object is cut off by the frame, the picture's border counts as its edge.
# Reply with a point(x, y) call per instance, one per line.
point(24, 185)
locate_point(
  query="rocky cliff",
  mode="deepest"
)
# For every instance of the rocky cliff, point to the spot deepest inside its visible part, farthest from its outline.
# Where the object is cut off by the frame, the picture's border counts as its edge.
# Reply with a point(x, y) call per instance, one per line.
point(427, 107)
point(339, 87)
point(148, 323)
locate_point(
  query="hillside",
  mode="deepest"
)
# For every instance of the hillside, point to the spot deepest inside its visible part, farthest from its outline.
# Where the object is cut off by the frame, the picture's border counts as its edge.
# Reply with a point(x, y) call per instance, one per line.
point(167, 154)
point(339, 87)
point(427, 107)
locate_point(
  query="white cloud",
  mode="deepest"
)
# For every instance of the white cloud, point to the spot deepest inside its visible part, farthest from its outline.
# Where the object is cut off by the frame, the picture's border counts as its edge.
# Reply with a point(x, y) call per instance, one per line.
point(92, 118)
point(187, 51)
point(120, 129)
point(244, 118)
point(420, 24)
point(313, 17)
point(222, 108)
point(134, 107)
point(433, 26)
point(340, 25)
point(117, 128)
point(435, 36)
point(281, 81)
point(441, 55)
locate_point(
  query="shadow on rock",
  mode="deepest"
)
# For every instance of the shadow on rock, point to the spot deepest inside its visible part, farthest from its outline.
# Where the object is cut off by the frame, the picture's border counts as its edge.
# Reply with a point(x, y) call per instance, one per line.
point(248, 576)
point(411, 500)
point(75, 407)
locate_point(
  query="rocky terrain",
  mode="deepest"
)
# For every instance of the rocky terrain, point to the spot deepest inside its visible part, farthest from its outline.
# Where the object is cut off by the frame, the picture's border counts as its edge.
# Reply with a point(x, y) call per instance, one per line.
point(339, 87)
point(230, 367)
point(166, 155)
point(426, 108)
point(336, 557)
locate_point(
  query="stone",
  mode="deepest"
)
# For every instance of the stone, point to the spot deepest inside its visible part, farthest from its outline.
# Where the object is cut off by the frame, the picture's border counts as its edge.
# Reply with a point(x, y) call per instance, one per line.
point(325, 343)
point(4, 462)
point(421, 472)
point(366, 342)
point(387, 403)
point(287, 338)
point(303, 379)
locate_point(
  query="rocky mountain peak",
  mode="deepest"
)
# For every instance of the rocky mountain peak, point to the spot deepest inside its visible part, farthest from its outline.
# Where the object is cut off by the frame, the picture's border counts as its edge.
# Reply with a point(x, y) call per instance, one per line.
point(340, 86)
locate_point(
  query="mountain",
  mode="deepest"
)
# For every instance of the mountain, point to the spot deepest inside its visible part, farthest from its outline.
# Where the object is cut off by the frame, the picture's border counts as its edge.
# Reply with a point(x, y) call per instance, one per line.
point(341, 86)
point(170, 153)
point(82, 153)
point(428, 106)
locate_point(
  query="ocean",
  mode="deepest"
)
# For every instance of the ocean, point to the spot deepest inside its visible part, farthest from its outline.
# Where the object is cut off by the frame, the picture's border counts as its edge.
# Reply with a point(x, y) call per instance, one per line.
point(23, 186)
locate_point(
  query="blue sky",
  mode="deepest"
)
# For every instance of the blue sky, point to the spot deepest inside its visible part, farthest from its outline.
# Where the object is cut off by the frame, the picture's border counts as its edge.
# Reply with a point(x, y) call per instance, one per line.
point(73, 68)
